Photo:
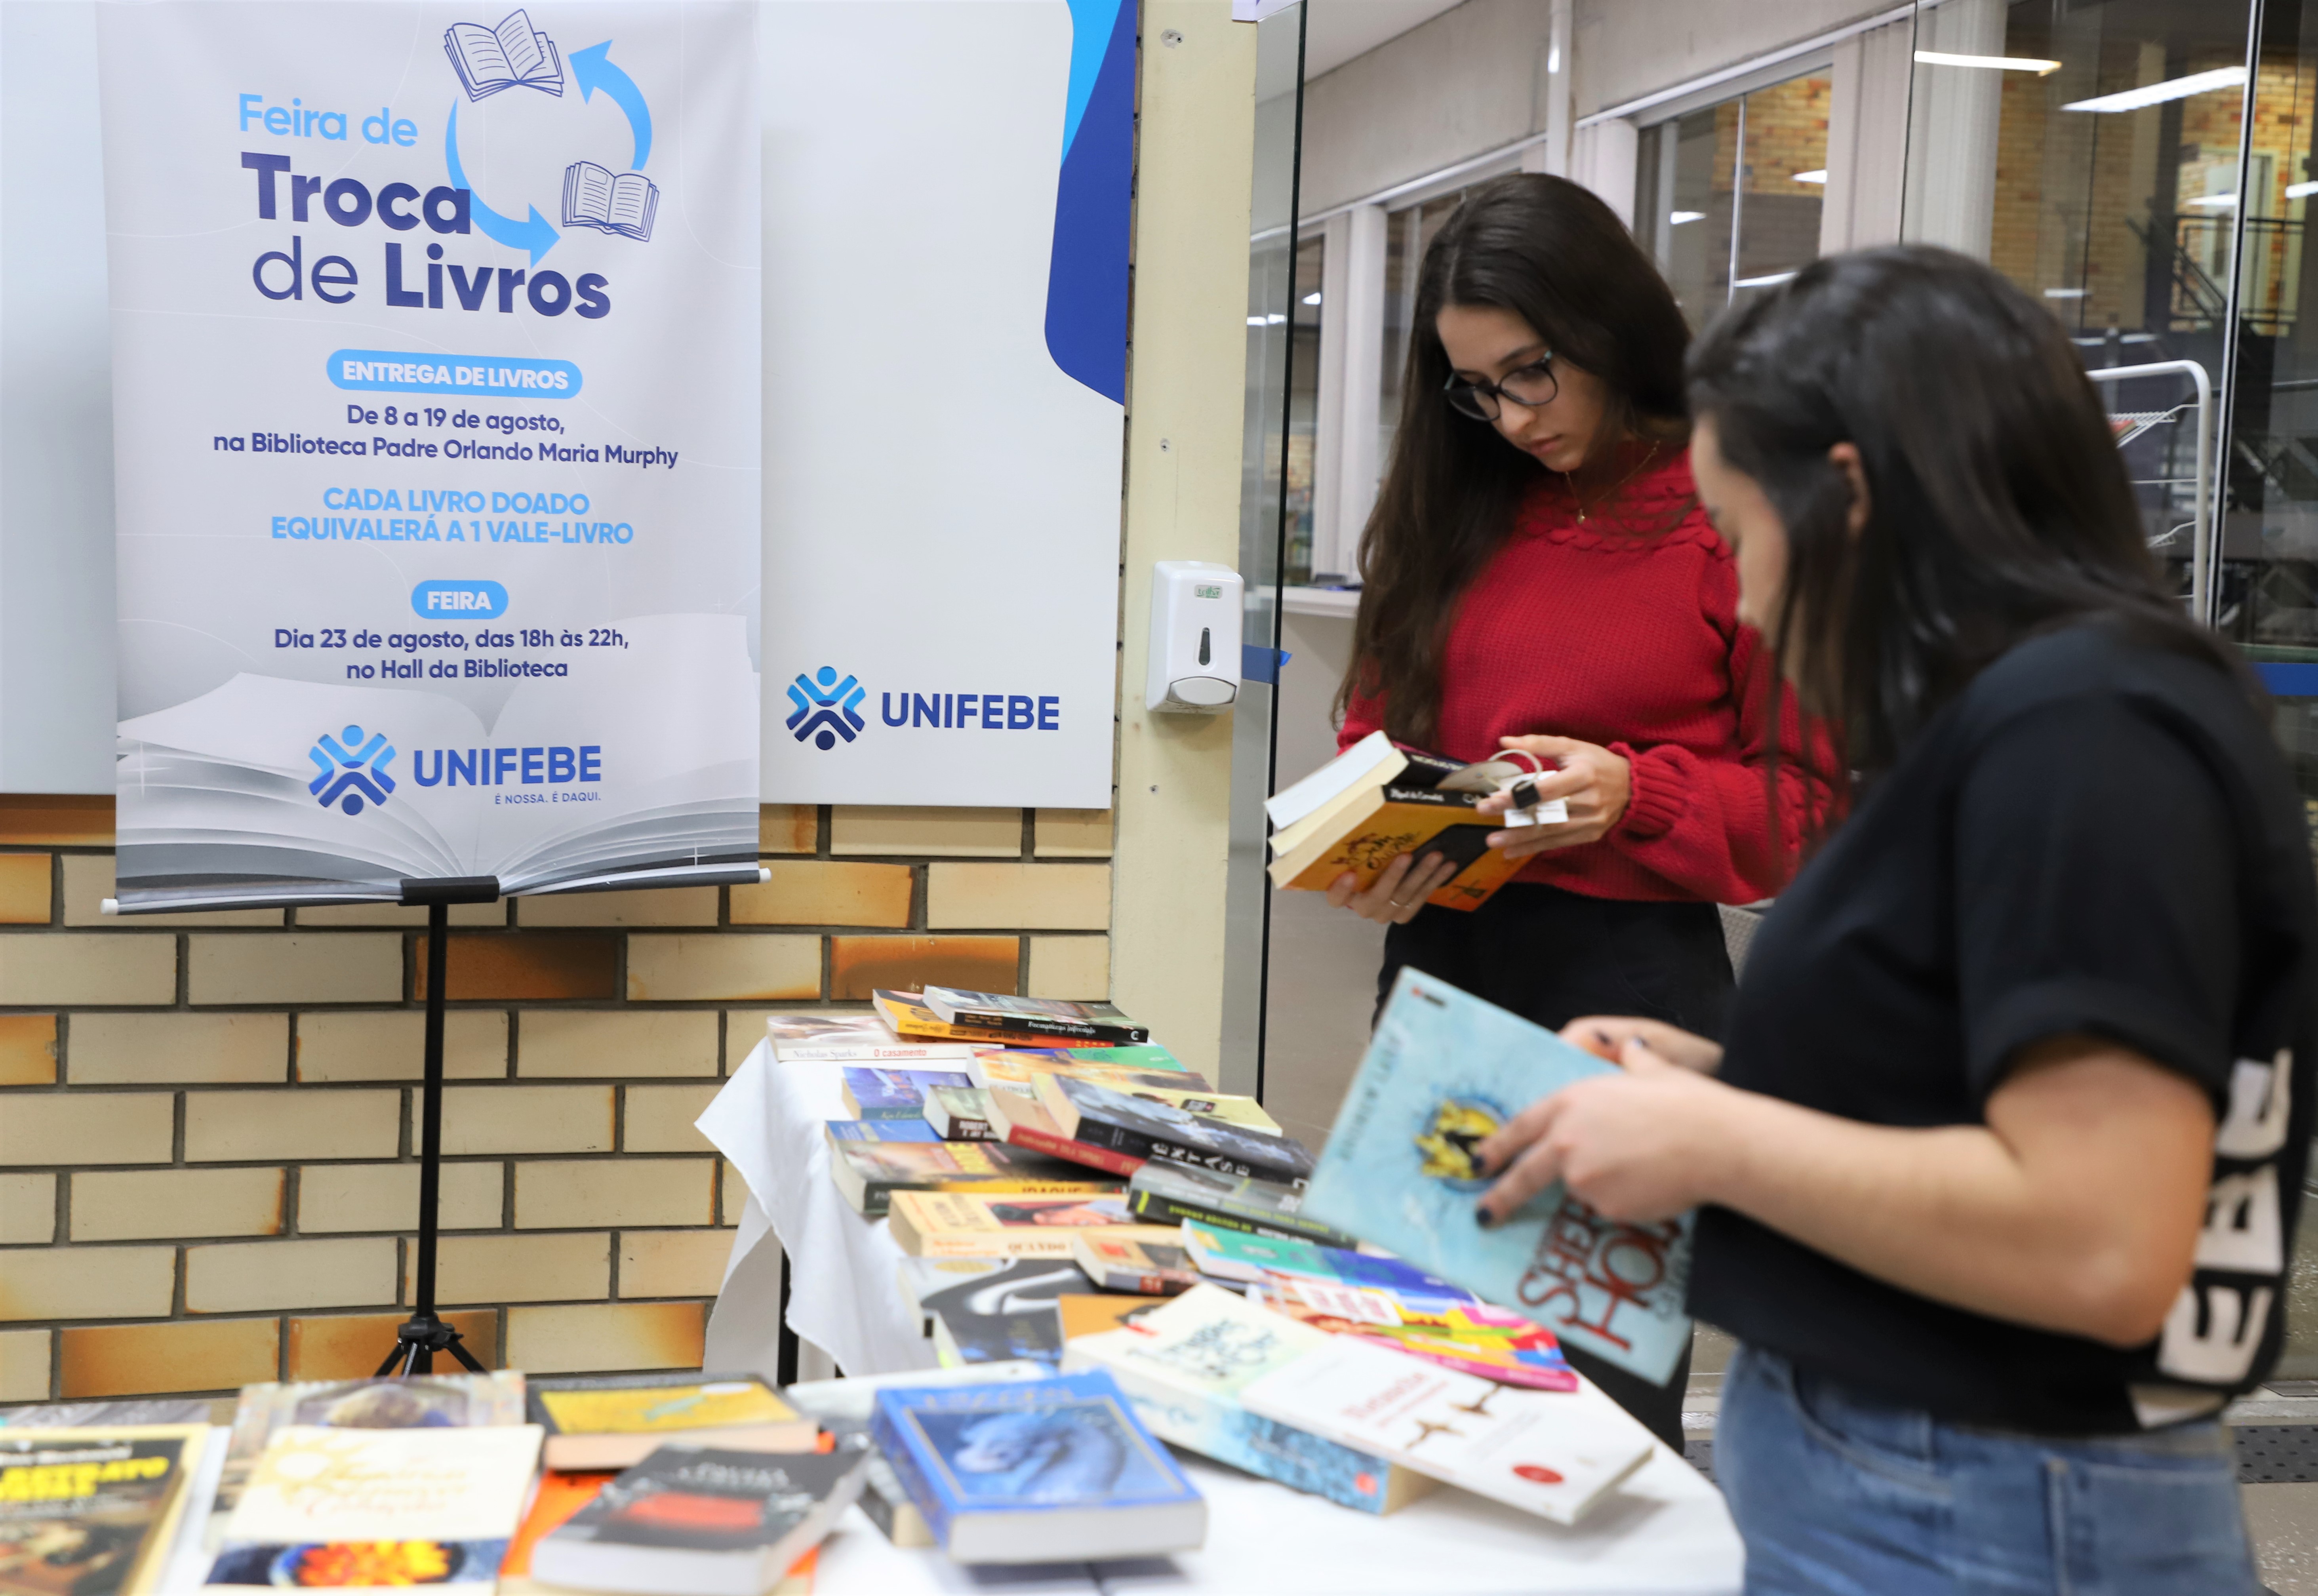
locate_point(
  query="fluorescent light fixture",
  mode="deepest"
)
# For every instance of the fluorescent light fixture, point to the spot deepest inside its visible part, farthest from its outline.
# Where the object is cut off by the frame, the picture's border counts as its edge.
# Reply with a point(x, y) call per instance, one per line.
point(2294, 191)
point(1312, 298)
point(2065, 294)
point(1818, 176)
point(2157, 93)
point(1940, 57)
point(1273, 319)
point(1769, 281)
point(2214, 201)
point(1679, 217)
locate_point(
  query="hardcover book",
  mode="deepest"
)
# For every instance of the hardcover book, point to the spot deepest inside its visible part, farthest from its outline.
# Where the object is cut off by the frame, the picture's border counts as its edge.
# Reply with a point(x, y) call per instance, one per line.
point(961, 1225)
point(1050, 1471)
point(1114, 1263)
point(869, 1173)
point(874, 1093)
point(1552, 1453)
point(1453, 1332)
point(1148, 1129)
point(428, 1402)
point(1443, 1071)
point(1096, 1022)
point(697, 1519)
point(1184, 1364)
point(615, 1420)
point(93, 1512)
point(959, 1114)
point(853, 1038)
point(881, 1130)
point(912, 1020)
point(1005, 1315)
point(1169, 1194)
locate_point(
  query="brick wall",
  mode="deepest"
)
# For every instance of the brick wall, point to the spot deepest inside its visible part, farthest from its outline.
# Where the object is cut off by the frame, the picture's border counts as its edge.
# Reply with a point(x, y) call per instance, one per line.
point(208, 1122)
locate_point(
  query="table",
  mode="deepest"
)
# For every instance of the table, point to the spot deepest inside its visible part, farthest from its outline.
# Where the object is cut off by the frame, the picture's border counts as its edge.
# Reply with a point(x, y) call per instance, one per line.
point(1668, 1534)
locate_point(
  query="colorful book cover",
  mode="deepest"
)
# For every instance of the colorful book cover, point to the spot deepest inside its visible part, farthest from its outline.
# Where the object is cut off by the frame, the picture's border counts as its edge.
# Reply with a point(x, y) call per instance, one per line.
point(428, 1402)
point(963, 1225)
point(959, 1114)
point(1023, 1121)
point(881, 1130)
point(1095, 1311)
point(93, 1511)
point(1054, 1016)
point(1229, 1107)
point(921, 1277)
point(1146, 1128)
point(1043, 1471)
point(1443, 1071)
point(1115, 1263)
point(1004, 1316)
point(870, 1172)
point(1021, 1067)
point(1184, 1364)
point(874, 1093)
point(912, 1020)
point(694, 1517)
point(1234, 1255)
point(1456, 1332)
point(854, 1039)
point(1169, 1194)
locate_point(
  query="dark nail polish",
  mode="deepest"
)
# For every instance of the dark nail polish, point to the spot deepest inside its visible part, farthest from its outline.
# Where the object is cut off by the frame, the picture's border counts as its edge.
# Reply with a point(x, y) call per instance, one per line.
point(1487, 1220)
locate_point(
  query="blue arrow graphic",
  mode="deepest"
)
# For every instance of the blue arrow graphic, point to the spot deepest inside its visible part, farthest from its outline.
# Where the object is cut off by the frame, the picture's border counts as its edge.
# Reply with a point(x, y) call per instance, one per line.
point(535, 235)
point(592, 70)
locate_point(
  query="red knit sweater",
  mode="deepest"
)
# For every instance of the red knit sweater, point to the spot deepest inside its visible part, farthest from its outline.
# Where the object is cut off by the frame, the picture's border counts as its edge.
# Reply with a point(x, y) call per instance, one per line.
point(1609, 634)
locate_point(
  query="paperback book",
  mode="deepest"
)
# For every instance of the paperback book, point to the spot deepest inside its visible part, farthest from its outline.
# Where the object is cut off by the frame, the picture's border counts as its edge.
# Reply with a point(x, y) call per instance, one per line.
point(1455, 1332)
point(871, 1092)
point(1148, 1129)
point(921, 1277)
point(914, 1021)
point(1021, 1120)
point(93, 1512)
point(881, 1130)
point(1442, 1072)
point(1169, 1194)
point(962, 1224)
point(851, 1038)
point(959, 1114)
point(1184, 1364)
point(428, 1402)
point(1234, 1255)
point(1094, 1312)
point(1020, 1068)
point(1099, 1023)
point(1051, 1471)
point(1115, 1263)
point(1005, 1315)
point(1229, 1107)
point(614, 1421)
point(93, 1416)
point(869, 1173)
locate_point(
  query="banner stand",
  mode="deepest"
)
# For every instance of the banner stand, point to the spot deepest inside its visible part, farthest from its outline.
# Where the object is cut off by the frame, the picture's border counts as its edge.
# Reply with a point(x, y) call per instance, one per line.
point(423, 1334)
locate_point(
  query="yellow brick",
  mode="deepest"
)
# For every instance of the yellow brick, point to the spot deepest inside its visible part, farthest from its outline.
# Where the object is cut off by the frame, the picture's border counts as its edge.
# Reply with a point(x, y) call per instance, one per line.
point(390, 1045)
point(348, 1346)
point(1034, 897)
point(787, 828)
point(332, 1199)
point(246, 1277)
point(28, 1209)
point(673, 1262)
point(46, 1129)
point(88, 882)
point(56, 820)
point(526, 1119)
point(146, 1359)
point(528, 1268)
point(743, 1029)
point(169, 1205)
point(606, 1338)
point(659, 1119)
point(827, 893)
point(28, 1049)
point(25, 1365)
point(566, 1194)
point(205, 1049)
point(1072, 834)
point(236, 1126)
point(618, 1041)
point(645, 906)
point(704, 969)
point(87, 1282)
point(295, 967)
point(735, 1195)
point(87, 968)
point(960, 833)
point(24, 894)
point(399, 914)
point(1071, 967)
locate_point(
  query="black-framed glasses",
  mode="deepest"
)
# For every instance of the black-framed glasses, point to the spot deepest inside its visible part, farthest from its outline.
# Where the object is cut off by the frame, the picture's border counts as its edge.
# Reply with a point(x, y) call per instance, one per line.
point(1529, 387)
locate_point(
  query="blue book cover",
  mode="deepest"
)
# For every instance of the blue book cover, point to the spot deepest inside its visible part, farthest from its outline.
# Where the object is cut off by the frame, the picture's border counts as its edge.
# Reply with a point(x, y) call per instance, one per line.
point(881, 1130)
point(895, 1094)
point(1442, 1072)
point(1025, 1448)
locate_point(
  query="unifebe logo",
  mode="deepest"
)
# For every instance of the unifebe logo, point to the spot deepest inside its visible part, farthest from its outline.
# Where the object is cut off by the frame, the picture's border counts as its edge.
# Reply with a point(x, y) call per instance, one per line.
point(826, 708)
point(347, 778)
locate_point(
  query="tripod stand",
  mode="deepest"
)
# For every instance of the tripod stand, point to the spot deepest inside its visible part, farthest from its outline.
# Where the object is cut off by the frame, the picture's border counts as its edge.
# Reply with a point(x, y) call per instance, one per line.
point(424, 1334)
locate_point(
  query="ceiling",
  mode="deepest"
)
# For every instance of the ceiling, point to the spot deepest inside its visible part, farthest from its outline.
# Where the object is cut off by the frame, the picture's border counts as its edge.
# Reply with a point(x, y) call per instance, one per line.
point(1336, 31)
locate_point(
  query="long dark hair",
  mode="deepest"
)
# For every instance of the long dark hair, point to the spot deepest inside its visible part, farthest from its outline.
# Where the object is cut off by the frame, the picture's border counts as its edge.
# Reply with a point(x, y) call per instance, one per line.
point(1554, 254)
point(1999, 505)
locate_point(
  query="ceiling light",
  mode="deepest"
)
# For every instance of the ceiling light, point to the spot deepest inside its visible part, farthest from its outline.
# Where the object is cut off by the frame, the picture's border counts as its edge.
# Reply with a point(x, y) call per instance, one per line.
point(1818, 176)
point(2214, 201)
point(1680, 217)
point(1940, 57)
point(1312, 298)
point(2157, 93)
point(2065, 294)
point(1768, 281)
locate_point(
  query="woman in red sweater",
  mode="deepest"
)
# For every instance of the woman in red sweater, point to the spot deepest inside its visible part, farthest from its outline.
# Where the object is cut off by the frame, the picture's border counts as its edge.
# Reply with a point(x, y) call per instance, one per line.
point(1538, 575)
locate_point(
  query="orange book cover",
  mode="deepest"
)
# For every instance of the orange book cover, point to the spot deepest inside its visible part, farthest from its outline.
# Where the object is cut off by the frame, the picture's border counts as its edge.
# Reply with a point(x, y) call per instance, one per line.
point(559, 1496)
point(909, 1018)
point(1393, 830)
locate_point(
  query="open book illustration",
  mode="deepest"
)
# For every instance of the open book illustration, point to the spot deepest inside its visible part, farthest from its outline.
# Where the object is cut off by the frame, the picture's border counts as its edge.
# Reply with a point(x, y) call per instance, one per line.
point(513, 54)
point(623, 204)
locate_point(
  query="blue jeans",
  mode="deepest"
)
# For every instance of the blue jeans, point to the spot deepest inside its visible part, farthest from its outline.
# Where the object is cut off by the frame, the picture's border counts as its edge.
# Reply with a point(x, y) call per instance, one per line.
point(1837, 1494)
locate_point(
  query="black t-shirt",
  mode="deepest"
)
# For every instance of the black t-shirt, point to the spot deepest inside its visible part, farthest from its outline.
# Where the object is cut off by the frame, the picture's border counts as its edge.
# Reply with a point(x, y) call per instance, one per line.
point(2097, 836)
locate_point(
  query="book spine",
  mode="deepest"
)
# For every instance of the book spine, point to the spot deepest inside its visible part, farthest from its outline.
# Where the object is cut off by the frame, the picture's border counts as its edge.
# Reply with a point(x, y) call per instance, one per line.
point(1077, 1152)
point(910, 1476)
point(1226, 1215)
point(1090, 1031)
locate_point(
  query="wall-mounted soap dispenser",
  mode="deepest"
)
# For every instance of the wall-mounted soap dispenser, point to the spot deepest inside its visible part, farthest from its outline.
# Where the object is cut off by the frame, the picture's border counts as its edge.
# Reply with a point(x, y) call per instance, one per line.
point(1195, 638)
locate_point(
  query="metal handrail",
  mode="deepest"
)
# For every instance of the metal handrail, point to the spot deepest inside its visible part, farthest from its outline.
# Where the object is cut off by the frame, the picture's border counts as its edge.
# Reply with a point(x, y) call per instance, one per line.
point(2204, 513)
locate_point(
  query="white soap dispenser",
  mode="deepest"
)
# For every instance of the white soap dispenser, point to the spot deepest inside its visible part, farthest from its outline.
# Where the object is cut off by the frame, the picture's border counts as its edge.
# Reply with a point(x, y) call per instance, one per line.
point(1195, 627)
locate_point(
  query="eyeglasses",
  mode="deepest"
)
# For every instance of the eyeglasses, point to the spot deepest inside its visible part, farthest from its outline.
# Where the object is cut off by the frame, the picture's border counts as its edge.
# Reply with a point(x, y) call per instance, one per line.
point(1529, 387)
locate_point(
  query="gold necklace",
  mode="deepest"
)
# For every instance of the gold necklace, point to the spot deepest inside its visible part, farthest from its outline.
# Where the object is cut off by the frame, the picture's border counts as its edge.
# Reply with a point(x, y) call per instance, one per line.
point(1579, 499)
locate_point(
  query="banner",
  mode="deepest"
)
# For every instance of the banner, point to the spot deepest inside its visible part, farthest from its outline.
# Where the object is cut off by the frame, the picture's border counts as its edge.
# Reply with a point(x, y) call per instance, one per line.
point(946, 209)
point(437, 389)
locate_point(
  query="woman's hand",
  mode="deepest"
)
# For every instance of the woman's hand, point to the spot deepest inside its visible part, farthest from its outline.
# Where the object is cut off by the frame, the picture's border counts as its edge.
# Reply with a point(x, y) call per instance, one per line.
point(1400, 890)
point(1595, 782)
point(1605, 1035)
point(1639, 1147)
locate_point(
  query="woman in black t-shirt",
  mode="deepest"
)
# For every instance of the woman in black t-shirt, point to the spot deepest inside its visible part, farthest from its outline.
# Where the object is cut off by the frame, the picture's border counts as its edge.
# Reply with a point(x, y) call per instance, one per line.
point(1998, 1168)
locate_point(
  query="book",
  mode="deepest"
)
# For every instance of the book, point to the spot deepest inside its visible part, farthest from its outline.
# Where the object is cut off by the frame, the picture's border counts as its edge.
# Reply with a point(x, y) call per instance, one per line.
point(992, 1067)
point(1454, 1332)
point(962, 1224)
point(702, 1520)
point(1183, 1366)
point(624, 202)
point(1150, 1269)
point(93, 1512)
point(614, 1421)
point(94, 1416)
point(1095, 1311)
point(373, 1508)
point(869, 1173)
point(1021, 1120)
point(1552, 1453)
point(1150, 1129)
point(1236, 1255)
point(1087, 1021)
point(1169, 1194)
point(912, 1020)
point(874, 1093)
point(560, 1494)
point(1230, 1108)
point(1443, 1070)
point(426, 1402)
point(880, 1130)
point(1398, 802)
point(921, 1277)
point(512, 55)
point(852, 1038)
point(1004, 1316)
point(959, 1114)
point(1048, 1471)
